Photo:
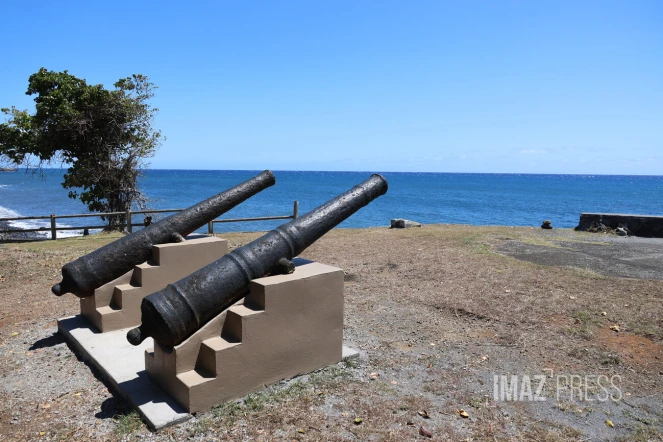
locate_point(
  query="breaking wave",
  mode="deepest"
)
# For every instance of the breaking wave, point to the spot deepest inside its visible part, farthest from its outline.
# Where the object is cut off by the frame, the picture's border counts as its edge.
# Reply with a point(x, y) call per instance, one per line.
point(38, 224)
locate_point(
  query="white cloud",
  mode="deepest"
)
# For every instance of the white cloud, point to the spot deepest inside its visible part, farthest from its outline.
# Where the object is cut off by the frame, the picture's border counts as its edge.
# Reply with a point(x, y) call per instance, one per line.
point(531, 152)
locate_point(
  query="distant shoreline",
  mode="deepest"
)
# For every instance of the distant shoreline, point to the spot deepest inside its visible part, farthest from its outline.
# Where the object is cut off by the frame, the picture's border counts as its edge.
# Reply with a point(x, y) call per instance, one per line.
point(14, 236)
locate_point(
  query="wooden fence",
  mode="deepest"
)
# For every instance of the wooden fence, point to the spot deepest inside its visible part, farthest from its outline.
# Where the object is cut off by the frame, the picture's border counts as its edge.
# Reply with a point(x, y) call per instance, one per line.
point(128, 224)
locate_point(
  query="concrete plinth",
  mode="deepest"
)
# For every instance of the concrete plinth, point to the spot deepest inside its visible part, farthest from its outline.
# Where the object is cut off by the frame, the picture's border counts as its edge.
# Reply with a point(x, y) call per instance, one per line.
point(287, 325)
point(116, 305)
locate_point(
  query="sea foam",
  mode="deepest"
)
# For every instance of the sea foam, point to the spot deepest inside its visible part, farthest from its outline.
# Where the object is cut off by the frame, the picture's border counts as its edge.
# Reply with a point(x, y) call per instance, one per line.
point(38, 224)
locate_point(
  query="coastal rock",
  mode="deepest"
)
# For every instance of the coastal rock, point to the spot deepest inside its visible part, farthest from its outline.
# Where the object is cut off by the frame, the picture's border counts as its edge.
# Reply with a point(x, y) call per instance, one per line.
point(625, 228)
point(620, 231)
point(400, 223)
point(546, 224)
point(597, 227)
point(13, 236)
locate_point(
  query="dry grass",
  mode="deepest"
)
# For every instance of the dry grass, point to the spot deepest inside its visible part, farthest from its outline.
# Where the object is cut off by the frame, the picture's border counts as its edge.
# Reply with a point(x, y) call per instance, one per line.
point(435, 311)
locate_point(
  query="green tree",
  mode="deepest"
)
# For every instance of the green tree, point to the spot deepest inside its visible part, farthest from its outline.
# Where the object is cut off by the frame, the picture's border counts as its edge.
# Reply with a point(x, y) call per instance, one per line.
point(103, 136)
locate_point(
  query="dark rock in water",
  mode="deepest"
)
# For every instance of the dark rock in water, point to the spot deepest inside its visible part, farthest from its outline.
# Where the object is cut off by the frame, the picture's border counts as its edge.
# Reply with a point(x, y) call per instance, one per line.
point(546, 224)
point(400, 223)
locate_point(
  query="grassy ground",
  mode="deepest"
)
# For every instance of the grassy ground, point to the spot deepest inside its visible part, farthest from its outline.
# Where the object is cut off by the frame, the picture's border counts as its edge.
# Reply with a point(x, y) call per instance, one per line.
point(436, 313)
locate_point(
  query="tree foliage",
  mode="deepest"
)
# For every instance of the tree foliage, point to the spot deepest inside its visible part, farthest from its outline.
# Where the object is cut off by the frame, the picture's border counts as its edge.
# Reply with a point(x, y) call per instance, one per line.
point(103, 136)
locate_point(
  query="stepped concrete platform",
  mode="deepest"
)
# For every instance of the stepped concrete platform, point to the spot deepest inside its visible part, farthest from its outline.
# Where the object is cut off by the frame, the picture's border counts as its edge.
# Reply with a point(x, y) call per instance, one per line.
point(286, 326)
point(116, 305)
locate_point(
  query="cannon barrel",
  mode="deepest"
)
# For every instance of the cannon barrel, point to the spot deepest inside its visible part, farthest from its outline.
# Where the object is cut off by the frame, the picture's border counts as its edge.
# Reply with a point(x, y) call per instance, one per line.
point(83, 275)
point(172, 314)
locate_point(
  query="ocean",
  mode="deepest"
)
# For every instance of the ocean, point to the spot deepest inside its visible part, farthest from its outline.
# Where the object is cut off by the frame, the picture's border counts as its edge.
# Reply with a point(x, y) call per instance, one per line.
point(429, 198)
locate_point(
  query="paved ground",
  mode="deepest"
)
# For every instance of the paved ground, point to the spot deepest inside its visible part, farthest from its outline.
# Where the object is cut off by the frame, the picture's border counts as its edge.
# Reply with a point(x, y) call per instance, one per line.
point(606, 254)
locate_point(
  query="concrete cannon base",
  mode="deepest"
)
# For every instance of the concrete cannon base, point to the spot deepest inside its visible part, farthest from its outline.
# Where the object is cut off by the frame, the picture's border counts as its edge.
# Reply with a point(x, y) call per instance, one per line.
point(288, 325)
point(116, 305)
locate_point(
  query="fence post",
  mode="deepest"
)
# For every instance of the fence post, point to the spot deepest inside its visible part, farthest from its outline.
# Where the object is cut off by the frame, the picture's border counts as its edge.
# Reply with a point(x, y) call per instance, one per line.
point(295, 210)
point(54, 234)
point(210, 228)
point(128, 217)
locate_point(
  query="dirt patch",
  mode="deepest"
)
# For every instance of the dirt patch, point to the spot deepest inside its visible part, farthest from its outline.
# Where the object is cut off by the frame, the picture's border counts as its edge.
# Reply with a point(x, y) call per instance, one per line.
point(637, 351)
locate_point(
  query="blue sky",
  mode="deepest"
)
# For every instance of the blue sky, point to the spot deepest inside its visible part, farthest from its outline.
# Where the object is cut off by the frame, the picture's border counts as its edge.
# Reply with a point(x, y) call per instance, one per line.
point(476, 86)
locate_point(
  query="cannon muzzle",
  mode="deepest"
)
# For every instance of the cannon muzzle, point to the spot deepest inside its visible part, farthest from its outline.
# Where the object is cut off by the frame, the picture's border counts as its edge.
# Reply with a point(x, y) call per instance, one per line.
point(87, 273)
point(172, 314)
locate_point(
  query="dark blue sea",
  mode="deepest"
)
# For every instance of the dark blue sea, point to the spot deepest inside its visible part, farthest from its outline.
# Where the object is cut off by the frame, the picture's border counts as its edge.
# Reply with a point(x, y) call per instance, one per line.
point(449, 198)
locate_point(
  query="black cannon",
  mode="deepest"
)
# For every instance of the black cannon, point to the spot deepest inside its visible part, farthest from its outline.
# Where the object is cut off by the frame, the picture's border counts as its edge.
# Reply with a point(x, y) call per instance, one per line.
point(172, 314)
point(82, 276)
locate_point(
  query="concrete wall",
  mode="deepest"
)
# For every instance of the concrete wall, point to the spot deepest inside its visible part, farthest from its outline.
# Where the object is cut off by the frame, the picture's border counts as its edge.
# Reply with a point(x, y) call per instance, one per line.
point(639, 225)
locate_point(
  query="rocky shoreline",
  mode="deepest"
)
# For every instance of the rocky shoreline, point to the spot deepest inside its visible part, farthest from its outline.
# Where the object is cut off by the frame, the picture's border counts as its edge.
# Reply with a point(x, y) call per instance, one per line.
point(17, 236)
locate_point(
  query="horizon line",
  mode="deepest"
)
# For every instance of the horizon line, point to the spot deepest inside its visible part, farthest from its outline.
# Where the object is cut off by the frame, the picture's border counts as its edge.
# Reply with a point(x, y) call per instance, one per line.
point(373, 171)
